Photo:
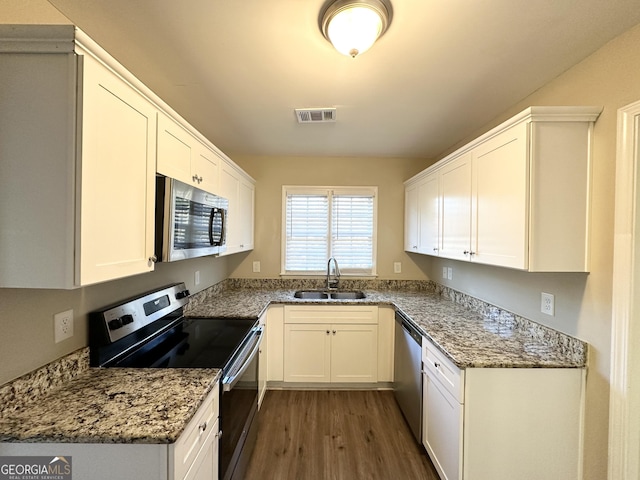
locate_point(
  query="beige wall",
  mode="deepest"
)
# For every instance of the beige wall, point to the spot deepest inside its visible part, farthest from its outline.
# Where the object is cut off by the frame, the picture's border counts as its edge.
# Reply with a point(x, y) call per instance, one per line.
point(385, 173)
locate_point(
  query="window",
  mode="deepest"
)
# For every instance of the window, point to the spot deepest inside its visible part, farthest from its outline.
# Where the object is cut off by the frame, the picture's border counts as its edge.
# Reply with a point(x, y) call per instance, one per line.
point(323, 222)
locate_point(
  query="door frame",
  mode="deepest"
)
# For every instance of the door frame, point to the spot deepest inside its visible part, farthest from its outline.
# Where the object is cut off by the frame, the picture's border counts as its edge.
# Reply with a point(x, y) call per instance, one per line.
point(624, 423)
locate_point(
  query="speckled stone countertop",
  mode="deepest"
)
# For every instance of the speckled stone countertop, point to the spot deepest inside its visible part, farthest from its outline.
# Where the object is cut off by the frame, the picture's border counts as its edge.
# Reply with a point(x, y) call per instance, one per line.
point(470, 332)
point(111, 405)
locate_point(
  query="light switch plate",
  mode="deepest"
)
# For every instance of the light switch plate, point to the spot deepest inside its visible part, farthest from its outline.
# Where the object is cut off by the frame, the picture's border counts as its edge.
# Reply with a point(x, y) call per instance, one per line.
point(444, 272)
point(397, 267)
point(450, 273)
point(196, 278)
point(256, 266)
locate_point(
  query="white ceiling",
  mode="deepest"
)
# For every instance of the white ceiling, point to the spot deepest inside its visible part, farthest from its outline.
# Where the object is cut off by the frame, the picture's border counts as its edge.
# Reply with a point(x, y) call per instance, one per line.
point(236, 69)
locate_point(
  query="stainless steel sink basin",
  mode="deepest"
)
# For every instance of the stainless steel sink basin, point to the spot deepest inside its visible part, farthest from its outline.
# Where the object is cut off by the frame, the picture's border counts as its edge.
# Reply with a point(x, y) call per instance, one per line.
point(320, 295)
point(311, 295)
point(347, 295)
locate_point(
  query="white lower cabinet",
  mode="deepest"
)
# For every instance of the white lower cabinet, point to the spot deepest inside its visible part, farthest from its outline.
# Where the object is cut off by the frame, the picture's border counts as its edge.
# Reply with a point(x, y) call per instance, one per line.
point(331, 344)
point(502, 423)
point(194, 456)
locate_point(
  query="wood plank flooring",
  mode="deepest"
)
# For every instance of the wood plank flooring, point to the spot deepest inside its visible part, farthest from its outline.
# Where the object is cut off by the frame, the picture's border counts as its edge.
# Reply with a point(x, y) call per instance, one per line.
point(335, 435)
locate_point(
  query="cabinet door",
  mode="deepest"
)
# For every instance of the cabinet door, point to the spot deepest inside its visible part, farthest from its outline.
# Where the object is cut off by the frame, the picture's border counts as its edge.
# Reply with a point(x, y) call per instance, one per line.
point(429, 213)
point(205, 466)
point(411, 218)
point(499, 200)
point(175, 150)
point(230, 189)
point(354, 353)
point(246, 214)
point(307, 352)
point(455, 191)
point(117, 199)
point(206, 169)
point(442, 428)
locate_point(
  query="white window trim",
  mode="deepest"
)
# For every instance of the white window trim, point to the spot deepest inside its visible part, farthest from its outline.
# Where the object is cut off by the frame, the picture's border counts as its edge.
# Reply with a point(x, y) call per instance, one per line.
point(326, 190)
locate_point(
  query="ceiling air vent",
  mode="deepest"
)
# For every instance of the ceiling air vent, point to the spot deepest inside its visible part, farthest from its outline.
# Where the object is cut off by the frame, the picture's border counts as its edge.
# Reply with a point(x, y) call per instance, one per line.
point(315, 115)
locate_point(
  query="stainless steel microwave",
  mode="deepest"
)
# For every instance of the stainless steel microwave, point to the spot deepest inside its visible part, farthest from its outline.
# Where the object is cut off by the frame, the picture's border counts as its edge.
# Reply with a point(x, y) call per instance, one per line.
point(189, 222)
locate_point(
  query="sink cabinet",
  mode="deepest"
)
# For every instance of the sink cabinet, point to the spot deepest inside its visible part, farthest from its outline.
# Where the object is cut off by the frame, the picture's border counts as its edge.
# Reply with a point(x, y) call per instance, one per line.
point(503, 198)
point(330, 344)
point(481, 423)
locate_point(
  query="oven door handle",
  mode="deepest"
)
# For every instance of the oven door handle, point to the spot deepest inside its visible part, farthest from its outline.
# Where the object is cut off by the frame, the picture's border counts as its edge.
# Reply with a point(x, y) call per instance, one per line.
point(229, 381)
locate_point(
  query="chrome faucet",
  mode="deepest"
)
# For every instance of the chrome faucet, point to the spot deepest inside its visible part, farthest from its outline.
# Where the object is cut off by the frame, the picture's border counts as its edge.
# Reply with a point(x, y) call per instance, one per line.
point(335, 281)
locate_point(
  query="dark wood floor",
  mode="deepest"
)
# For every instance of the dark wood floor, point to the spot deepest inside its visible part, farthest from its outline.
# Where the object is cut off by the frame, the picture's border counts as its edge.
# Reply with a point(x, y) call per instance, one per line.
point(341, 435)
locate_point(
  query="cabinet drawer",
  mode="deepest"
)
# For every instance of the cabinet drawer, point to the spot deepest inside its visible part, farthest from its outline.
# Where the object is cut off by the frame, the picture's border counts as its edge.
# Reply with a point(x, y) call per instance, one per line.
point(196, 434)
point(451, 377)
point(333, 314)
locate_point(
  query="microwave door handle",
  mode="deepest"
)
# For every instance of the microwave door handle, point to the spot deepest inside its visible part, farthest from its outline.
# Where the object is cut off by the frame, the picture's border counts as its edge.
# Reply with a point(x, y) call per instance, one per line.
point(223, 229)
point(212, 215)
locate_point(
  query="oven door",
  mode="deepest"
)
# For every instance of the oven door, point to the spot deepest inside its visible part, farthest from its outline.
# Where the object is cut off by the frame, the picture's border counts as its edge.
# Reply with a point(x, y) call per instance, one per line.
point(238, 408)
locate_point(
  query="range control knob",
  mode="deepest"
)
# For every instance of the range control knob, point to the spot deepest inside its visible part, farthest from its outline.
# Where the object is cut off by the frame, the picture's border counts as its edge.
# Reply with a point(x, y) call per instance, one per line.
point(127, 319)
point(115, 324)
point(182, 294)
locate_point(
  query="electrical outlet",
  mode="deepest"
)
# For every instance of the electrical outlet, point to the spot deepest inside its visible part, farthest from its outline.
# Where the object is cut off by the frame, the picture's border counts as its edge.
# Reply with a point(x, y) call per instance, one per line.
point(547, 304)
point(196, 278)
point(450, 273)
point(63, 326)
point(256, 266)
point(444, 272)
point(397, 267)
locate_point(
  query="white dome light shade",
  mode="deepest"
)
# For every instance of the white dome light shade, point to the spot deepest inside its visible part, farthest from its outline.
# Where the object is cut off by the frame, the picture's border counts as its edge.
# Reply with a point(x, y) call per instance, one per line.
point(353, 26)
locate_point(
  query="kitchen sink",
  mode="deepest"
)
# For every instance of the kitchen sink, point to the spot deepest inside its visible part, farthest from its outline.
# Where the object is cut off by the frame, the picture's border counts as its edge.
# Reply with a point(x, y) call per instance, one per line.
point(347, 295)
point(311, 295)
point(321, 295)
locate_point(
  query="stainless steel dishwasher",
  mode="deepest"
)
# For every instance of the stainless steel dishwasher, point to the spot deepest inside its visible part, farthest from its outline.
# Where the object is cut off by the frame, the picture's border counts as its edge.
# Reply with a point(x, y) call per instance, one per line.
point(408, 373)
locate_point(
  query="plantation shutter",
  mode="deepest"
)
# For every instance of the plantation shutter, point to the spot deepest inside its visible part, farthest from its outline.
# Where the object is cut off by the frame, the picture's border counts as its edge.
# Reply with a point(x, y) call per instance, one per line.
point(352, 232)
point(307, 233)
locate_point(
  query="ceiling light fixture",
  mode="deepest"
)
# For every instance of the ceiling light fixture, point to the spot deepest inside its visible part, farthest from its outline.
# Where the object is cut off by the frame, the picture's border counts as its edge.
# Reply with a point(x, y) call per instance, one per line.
point(352, 26)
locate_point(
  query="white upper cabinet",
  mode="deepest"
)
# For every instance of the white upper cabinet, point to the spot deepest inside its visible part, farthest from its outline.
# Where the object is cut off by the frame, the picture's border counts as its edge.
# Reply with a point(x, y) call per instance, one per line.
point(78, 163)
point(518, 196)
point(422, 211)
point(238, 188)
point(455, 216)
point(185, 158)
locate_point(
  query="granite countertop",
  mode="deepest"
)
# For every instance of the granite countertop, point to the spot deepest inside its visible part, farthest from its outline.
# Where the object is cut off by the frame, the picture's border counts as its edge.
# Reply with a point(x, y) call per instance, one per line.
point(491, 339)
point(114, 405)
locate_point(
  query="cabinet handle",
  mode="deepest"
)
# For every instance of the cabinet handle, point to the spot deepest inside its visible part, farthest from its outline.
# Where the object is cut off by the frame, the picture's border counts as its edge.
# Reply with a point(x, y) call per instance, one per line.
point(152, 259)
point(219, 434)
point(194, 178)
point(415, 247)
point(435, 249)
point(436, 364)
point(334, 332)
point(466, 252)
point(472, 253)
point(328, 332)
point(200, 179)
point(203, 427)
